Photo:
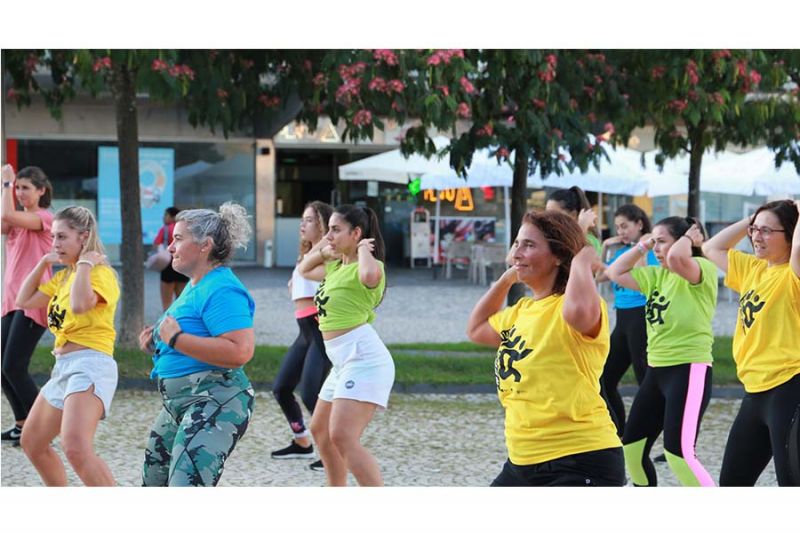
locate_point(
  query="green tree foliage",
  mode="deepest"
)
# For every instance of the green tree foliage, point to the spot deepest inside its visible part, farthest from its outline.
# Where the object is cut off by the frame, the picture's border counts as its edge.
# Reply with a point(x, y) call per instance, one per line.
point(699, 100)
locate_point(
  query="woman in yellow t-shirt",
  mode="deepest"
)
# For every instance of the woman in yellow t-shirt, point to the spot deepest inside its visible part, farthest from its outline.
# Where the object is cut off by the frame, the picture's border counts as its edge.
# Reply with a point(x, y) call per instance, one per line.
point(551, 352)
point(765, 345)
point(81, 301)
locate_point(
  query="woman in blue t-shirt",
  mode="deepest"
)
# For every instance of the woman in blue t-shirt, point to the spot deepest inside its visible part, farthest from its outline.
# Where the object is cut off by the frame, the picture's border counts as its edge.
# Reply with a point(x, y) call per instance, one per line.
point(200, 345)
point(629, 339)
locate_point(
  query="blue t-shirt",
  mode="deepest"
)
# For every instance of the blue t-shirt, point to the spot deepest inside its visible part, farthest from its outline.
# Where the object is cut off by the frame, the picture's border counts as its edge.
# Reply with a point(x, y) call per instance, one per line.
point(219, 303)
point(628, 298)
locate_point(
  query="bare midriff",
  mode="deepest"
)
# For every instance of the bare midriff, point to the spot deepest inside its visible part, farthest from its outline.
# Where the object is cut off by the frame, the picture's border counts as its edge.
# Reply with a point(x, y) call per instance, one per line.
point(301, 304)
point(69, 347)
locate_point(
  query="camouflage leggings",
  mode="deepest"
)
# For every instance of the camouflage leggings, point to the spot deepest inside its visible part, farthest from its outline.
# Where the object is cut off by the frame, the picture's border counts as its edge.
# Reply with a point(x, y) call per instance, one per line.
point(203, 417)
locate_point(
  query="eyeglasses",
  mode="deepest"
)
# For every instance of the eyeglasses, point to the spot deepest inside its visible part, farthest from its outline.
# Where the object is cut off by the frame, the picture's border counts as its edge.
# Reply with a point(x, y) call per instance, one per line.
point(765, 231)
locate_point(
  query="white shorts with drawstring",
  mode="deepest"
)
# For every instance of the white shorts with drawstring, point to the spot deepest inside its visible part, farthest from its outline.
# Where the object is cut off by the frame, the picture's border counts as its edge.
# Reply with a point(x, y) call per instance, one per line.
point(362, 370)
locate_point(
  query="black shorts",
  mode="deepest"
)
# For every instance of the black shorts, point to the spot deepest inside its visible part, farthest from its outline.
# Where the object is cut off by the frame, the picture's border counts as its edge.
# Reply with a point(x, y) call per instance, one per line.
point(601, 468)
point(169, 275)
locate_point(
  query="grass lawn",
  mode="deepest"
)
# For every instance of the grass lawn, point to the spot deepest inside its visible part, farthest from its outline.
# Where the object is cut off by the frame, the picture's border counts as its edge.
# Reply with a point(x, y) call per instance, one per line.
point(421, 363)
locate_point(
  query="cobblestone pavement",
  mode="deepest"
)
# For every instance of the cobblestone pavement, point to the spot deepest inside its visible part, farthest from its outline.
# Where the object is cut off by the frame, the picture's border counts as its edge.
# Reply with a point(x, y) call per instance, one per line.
point(421, 440)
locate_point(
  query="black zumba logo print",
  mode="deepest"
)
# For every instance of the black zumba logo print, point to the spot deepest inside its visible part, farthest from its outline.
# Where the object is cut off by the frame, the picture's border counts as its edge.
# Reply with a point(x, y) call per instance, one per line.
point(656, 305)
point(320, 299)
point(512, 349)
point(749, 304)
point(55, 318)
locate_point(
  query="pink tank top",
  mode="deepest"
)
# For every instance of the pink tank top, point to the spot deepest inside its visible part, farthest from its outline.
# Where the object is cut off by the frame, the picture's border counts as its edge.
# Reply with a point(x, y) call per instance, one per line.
point(24, 248)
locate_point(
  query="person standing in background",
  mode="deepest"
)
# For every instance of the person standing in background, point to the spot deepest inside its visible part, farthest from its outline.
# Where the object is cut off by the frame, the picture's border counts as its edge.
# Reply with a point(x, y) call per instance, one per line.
point(28, 239)
point(172, 282)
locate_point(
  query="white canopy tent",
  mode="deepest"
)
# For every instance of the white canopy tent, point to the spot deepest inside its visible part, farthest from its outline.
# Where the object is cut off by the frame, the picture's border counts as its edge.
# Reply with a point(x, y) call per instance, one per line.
point(749, 173)
point(393, 167)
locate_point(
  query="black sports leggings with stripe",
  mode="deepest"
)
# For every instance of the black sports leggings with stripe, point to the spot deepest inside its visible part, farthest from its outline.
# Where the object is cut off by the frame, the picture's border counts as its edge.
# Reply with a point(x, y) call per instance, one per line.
point(766, 427)
point(306, 364)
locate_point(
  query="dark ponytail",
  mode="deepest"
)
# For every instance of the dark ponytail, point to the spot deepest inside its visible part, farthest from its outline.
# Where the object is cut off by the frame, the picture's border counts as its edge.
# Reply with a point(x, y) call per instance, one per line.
point(366, 219)
point(572, 199)
point(677, 226)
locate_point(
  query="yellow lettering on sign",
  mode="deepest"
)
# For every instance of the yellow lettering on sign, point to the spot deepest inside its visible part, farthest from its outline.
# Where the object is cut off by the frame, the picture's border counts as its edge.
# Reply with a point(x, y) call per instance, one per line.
point(464, 200)
point(461, 198)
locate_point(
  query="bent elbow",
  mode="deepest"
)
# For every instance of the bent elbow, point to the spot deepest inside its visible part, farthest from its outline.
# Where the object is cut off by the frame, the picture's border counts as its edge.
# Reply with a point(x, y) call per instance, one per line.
point(371, 278)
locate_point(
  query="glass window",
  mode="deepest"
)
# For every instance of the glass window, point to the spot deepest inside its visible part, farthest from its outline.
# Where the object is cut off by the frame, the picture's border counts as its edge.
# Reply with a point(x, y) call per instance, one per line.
point(206, 175)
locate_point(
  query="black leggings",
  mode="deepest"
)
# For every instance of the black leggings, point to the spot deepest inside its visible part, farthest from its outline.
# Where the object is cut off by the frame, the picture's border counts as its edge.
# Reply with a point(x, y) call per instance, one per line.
point(305, 363)
point(601, 468)
point(766, 426)
point(672, 399)
point(628, 347)
point(20, 335)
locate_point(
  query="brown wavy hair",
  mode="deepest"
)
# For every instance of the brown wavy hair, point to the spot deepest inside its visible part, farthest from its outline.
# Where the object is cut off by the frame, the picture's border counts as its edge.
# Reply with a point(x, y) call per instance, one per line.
point(564, 237)
point(786, 213)
point(323, 212)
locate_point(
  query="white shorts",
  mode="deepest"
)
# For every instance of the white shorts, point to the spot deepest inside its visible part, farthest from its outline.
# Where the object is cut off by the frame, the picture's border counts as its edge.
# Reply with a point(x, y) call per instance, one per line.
point(77, 372)
point(362, 370)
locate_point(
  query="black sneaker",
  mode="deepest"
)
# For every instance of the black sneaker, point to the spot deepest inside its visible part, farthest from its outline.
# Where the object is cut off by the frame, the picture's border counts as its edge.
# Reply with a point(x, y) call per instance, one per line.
point(317, 465)
point(660, 458)
point(12, 434)
point(293, 451)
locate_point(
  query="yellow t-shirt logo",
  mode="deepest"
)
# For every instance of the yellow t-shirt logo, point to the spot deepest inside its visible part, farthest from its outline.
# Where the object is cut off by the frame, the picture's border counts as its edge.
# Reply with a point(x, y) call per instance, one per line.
point(512, 349)
point(749, 304)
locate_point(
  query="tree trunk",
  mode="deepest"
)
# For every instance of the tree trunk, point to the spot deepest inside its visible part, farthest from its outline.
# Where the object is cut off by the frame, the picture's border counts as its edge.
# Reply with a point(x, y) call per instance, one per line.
point(695, 162)
point(131, 251)
point(518, 206)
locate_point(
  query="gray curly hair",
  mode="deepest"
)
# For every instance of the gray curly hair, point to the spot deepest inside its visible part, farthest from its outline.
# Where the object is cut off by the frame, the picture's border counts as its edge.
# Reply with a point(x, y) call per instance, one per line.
point(228, 230)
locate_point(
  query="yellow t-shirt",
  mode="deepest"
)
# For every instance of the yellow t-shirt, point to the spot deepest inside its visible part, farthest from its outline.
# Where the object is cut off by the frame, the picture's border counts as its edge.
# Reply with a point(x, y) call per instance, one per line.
point(93, 329)
point(765, 343)
point(547, 377)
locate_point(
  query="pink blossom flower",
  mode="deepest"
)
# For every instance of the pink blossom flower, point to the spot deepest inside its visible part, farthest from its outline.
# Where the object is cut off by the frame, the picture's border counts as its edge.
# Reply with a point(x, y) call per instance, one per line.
point(103, 63)
point(222, 94)
point(396, 86)
point(693, 96)
point(717, 97)
point(502, 152)
point(589, 91)
point(362, 118)
point(658, 72)
point(552, 60)
point(187, 71)
point(598, 80)
point(691, 72)
point(445, 90)
point(158, 65)
point(678, 106)
point(755, 77)
point(720, 54)
point(377, 84)
point(396, 106)
point(562, 157)
point(539, 104)
point(467, 85)
point(511, 120)
point(387, 56)
point(547, 75)
point(608, 127)
point(741, 67)
point(463, 110)
point(434, 60)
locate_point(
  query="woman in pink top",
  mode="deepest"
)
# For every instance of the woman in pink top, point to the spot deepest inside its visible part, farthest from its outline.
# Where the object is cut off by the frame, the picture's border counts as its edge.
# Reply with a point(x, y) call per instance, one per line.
point(27, 240)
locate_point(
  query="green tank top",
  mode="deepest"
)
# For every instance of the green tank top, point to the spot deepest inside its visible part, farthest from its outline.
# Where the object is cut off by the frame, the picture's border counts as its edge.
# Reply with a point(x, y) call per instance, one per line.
point(343, 301)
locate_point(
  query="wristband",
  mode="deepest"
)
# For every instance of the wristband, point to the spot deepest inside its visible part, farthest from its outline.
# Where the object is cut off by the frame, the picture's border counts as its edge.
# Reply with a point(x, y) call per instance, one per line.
point(85, 262)
point(690, 239)
point(174, 339)
point(321, 255)
point(641, 248)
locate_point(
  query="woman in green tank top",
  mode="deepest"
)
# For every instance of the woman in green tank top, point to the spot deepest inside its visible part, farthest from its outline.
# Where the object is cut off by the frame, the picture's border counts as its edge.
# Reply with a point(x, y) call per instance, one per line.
point(362, 374)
